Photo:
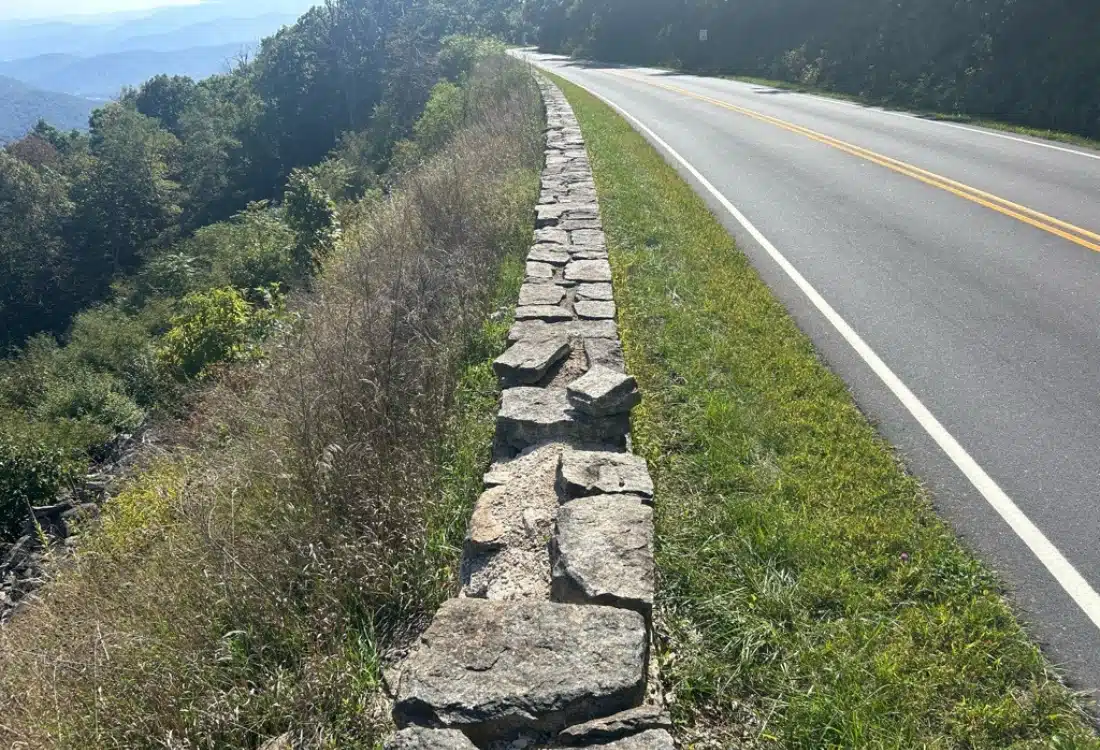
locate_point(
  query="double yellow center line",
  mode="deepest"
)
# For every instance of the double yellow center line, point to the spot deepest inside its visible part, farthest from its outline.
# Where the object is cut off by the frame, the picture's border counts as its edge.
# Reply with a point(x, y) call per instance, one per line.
point(1030, 216)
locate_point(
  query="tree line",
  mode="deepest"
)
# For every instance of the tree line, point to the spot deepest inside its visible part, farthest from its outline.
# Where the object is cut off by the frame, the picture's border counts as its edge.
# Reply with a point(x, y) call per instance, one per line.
point(138, 256)
point(1030, 62)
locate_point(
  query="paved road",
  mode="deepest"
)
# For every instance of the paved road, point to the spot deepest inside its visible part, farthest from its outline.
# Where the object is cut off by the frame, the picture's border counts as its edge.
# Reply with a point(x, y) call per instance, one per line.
point(958, 274)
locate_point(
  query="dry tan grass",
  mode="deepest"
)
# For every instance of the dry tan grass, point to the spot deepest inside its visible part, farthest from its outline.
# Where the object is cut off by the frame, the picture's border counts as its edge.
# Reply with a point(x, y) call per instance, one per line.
point(249, 584)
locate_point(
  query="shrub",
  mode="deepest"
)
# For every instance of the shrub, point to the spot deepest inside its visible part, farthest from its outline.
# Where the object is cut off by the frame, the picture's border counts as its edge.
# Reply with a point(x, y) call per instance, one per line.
point(461, 54)
point(87, 396)
point(108, 340)
point(253, 249)
point(215, 327)
point(311, 213)
point(443, 116)
point(34, 467)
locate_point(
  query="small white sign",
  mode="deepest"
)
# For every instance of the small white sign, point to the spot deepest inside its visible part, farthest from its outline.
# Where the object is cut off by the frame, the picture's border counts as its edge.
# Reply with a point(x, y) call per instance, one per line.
point(704, 35)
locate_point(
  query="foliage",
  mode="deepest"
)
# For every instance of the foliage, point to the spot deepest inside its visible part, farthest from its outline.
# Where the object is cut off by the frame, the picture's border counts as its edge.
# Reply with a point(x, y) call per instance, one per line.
point(34, 210)
point(311, 215)
point(35, 464)
point(214, 327)
point(141, 244)
point(175, 155)
point(107, 340)
point(248, 582)
point(1025, 61)
point(95, 397)
point(443, 116)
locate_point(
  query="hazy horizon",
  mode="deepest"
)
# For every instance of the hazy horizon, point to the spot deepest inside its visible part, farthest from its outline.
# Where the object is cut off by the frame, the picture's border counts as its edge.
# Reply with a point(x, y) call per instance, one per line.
point(18, 10)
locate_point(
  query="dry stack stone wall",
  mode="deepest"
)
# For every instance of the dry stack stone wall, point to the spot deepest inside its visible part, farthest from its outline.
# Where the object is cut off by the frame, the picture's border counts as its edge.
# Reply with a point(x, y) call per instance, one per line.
point(548, 644)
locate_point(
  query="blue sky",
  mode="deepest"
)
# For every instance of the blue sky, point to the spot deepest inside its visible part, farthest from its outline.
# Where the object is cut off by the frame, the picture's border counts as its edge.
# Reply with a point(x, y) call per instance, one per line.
point(61, 8)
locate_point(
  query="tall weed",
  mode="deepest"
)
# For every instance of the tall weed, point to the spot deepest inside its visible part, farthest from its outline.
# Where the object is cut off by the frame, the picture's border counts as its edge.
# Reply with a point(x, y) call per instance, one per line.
point(251, 582)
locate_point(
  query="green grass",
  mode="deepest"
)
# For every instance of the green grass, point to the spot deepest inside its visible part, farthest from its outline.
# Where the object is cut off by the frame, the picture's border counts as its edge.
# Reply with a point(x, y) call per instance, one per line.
point(809, 596)
point(467, 446)
point(1008, 127)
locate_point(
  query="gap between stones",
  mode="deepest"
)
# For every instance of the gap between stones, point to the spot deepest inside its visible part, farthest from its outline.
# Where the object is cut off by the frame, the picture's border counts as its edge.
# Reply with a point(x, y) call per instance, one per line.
point(548, 644)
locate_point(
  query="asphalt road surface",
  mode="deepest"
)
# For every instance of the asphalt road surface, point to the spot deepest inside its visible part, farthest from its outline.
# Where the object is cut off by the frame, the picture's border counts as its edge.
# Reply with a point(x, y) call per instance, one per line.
point(951, 276)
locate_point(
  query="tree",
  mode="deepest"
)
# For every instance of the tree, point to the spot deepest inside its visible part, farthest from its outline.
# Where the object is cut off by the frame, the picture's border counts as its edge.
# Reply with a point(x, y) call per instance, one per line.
point(312, 216)
point(34, 212)
point(128, 199)
point(164, 98)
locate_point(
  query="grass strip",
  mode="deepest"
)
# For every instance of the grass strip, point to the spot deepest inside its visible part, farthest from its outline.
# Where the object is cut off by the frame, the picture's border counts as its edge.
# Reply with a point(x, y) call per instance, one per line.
point(809, 596)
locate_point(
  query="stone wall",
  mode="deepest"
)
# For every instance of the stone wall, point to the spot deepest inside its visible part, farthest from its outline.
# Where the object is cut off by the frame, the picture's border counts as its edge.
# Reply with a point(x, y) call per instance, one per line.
point(548, 644)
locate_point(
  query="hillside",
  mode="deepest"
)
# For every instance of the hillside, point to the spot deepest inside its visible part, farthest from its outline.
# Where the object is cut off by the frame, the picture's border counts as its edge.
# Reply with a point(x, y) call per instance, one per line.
point(103, 76)
point(21, 106)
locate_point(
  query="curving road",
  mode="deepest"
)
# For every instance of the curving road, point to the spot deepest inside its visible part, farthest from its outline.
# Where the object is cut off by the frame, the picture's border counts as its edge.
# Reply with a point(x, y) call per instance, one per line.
point(951, 276)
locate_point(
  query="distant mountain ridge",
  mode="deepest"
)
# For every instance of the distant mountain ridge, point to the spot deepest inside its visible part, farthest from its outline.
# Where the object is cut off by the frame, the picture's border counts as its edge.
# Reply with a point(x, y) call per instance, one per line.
point(163, 30)
point(21, 106)
point(103, 76)
point(53, 69)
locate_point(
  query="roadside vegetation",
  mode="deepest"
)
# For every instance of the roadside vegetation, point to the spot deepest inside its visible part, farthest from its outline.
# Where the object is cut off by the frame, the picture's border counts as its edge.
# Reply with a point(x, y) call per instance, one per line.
point(809, 597)
point(248, 581)
point(140, 257)
point(1022, 62)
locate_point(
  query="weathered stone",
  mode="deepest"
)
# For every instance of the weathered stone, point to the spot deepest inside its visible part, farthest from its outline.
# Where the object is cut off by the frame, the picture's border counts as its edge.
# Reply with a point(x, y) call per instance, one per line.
point(540, 271)
point(549, 313)
point(529, 416)
point(422, 738)
point(654, 739)
point(584, 473)
point(602, 391)
point(486, 532)
point(589, 237)
point(551, 236)
point(603, 553)
point(527, 361)
point(577, 177)
point(505, 556)
point(631, 722)
point(595, 329)
point(572, 225)
point(586, 253)
point(498, 669)
point(605, 352)
point(523, 465)
point(593, 292)
point(549, 254)
point(586, 211)
point(540, 294)
point(589, 310)
point(588, 271)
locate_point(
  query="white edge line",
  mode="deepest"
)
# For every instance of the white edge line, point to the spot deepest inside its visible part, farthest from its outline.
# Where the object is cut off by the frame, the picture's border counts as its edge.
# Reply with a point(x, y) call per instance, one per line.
point(1005, 136)
point(1052, 559)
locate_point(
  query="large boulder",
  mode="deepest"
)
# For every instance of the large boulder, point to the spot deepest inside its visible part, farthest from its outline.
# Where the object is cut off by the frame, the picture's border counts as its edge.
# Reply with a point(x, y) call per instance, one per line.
point(526, 362)
point(603, 391)
point(603, 553)
point(499, 669)
point(585, 473)
point(530, 416)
